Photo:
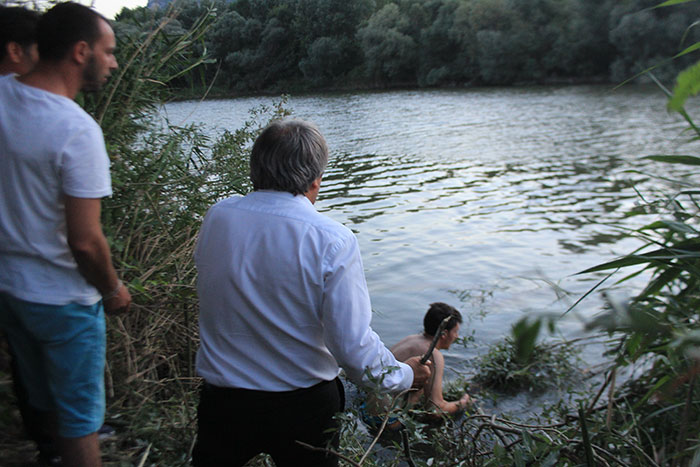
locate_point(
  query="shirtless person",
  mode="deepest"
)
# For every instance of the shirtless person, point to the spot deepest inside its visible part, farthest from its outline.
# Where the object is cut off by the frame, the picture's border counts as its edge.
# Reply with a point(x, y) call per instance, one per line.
point(375, 408)
point(418, 344)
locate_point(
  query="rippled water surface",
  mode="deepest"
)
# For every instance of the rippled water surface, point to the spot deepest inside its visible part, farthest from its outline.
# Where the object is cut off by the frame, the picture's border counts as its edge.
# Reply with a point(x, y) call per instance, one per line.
point(487, 199)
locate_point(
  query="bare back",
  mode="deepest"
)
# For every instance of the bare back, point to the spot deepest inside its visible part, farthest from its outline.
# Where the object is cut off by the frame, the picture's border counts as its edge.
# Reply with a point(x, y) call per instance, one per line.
point(410, 346)
point(418, 345)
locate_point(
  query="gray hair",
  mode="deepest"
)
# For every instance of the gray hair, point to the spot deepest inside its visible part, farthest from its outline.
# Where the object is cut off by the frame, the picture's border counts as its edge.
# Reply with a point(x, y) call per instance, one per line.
point(288, 156)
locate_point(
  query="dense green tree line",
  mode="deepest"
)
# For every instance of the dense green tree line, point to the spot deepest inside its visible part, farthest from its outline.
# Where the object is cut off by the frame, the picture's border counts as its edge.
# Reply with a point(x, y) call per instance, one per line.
point(277, 45)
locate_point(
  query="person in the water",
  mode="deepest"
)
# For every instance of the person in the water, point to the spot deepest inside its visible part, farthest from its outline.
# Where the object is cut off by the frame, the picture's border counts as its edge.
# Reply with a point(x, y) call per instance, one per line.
point(430, 397)
point(418, 344)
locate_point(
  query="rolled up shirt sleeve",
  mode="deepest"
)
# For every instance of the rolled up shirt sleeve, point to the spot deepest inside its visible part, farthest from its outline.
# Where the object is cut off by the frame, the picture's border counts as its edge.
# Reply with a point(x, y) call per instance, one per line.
point(346, 316)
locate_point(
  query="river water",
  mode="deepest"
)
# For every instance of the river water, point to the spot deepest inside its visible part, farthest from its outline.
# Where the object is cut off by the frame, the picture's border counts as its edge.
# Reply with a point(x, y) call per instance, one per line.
point(488, 199)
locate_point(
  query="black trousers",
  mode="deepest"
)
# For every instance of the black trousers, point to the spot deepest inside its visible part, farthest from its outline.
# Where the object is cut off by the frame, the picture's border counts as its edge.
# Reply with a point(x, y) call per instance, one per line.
point(234, 425)
point(35, 421)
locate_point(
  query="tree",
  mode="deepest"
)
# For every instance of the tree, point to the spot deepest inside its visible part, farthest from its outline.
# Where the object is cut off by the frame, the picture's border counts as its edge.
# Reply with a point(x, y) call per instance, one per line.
point(645, 38)
point(390, 53)
point(440, 45)
point(326, 60)
point(325, 30)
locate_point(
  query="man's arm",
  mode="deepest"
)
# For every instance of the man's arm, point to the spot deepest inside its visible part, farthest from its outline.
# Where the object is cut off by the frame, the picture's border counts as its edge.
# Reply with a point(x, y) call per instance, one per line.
point(91, 251)
point(433, 389)
point(421, 372)
point(346, 315)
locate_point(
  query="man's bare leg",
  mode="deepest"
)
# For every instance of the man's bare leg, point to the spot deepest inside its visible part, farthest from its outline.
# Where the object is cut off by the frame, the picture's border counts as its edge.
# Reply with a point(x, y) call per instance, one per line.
point(81, 452)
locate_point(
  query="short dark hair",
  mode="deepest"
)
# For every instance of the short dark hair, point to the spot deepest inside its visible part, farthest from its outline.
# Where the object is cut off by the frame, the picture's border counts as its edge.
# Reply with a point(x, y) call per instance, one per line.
point(17, 24)
point(63, 26)
point(437, 312)
point(288, 156)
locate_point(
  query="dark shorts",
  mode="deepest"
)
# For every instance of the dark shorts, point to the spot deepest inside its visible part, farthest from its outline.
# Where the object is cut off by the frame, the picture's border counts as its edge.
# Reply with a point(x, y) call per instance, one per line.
point(234, 425)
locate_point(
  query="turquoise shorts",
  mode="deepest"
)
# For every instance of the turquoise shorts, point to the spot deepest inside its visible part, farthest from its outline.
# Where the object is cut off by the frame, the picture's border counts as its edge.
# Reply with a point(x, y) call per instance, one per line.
point(374, 421)
point(60, 355)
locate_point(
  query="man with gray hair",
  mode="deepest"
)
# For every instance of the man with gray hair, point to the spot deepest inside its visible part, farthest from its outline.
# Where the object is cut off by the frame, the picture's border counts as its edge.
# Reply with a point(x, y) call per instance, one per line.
point(283, 305)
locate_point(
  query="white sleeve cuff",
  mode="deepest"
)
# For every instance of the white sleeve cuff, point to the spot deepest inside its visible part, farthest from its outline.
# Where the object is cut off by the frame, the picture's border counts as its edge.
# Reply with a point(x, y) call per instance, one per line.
point(407, 380)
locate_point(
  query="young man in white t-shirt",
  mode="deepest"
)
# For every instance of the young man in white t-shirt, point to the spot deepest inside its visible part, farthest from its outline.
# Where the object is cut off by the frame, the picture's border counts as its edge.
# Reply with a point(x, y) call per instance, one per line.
point(57, 276)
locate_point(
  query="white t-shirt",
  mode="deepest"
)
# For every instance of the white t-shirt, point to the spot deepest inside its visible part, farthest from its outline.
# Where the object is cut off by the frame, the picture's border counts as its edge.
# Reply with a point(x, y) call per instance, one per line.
point(283, 299)
point(49, 147)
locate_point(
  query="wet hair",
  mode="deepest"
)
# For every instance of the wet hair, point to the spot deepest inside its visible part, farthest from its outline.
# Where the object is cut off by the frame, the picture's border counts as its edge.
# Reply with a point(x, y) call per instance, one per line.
point(17, 24)
point(288, 156)
point(63, 26)
point(437, 312)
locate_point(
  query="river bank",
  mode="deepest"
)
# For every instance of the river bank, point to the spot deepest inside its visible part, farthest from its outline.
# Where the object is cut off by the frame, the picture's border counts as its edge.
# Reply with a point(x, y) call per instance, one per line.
point(211, 91)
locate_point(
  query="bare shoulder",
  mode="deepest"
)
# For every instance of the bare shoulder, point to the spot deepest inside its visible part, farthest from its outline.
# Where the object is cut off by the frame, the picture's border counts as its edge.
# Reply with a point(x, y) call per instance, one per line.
point(410, 346)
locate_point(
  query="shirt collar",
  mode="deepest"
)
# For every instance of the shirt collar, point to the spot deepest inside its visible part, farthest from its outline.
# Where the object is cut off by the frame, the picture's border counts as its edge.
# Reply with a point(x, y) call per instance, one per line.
point(281, 196)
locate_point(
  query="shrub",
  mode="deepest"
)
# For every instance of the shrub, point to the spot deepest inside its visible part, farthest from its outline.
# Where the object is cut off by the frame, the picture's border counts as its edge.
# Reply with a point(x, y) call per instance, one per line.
point(549, 365)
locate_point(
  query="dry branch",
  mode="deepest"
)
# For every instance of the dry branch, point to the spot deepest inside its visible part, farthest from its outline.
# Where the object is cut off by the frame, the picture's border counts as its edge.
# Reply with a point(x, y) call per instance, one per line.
point(328, 451)
point(436, 338)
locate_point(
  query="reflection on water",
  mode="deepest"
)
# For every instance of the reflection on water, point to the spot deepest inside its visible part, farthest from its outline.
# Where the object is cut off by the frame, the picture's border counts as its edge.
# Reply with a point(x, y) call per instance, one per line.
point(489, 193)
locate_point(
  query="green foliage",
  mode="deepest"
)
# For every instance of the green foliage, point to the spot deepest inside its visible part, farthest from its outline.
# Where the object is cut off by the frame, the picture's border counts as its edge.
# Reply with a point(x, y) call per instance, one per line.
point(649, 419)
point(327, 58)
point(651, 415)
point(444, 55)
point(674, 2)
point(275, 45)
point(646, 37)
point(688, 84)
point(155, 53)
point(531, 366)
point(525, 334)
point(390, 51)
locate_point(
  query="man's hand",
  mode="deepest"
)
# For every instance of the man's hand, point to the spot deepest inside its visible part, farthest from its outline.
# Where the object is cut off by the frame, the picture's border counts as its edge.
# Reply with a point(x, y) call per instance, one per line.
point(119, 303)
point(421, 373)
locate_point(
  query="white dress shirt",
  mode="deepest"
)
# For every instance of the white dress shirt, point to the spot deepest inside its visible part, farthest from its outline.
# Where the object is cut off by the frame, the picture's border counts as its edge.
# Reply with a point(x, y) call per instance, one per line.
point(283, 299)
